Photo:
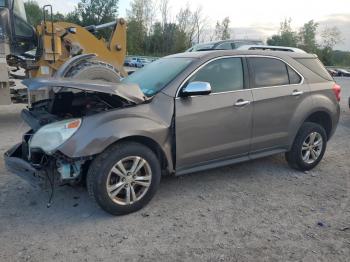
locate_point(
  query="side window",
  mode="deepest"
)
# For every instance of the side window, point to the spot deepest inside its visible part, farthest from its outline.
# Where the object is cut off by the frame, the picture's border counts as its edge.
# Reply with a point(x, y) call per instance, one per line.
point(224, 46)
point(294, 78)
point(224, 74)
point(22, 29)
point(269, 72)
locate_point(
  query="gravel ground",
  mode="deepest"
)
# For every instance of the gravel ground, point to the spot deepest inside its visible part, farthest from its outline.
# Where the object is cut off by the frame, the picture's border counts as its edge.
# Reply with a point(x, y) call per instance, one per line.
point(255, 211)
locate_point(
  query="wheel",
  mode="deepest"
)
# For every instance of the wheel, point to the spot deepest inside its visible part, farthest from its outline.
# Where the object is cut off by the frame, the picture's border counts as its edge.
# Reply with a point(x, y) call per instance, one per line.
point(308, 147)
point(124, 178)
point(94, 70)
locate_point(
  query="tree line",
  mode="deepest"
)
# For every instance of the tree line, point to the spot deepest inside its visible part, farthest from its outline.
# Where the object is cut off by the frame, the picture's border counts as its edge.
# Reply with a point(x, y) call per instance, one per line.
point(305, 39)
point(153, 30)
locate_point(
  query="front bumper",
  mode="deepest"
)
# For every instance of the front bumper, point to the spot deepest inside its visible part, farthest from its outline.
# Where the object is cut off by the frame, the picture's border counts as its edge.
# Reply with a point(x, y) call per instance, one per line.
point(22, 168)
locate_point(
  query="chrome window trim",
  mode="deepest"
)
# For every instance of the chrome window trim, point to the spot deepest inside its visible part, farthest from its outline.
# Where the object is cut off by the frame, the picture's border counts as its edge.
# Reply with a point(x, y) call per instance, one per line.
point(274, 57)
point(239, 56)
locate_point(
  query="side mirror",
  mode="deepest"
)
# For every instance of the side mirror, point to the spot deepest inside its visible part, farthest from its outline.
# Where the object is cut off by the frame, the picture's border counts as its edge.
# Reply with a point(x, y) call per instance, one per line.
point(196, 89)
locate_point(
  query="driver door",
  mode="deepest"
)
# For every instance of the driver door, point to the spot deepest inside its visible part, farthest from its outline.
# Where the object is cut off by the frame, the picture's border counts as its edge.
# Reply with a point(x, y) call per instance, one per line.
point(217, 126)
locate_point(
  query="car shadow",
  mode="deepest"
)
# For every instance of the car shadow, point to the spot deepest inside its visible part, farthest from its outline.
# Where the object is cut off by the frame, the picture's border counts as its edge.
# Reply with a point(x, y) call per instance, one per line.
point(72, 203)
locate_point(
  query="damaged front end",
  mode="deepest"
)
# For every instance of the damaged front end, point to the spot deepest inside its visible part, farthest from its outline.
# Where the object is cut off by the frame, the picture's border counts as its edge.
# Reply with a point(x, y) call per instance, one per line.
point(40, 169)
point(54, 120)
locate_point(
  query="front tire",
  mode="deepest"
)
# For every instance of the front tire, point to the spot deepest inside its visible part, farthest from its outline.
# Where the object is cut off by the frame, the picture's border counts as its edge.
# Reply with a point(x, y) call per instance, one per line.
point(124, 178)
point(308, 148)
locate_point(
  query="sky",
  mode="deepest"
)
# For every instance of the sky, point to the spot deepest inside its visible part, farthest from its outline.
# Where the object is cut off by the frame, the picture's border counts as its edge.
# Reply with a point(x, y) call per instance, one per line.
point(253, 18)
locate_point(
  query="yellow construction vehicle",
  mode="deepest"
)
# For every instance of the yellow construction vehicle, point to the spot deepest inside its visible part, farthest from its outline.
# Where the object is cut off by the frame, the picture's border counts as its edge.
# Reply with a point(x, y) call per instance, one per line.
point(61, 49)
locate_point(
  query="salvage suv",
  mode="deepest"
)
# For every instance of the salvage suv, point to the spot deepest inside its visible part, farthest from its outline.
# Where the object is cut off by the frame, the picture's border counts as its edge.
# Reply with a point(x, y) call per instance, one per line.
point(181, 114)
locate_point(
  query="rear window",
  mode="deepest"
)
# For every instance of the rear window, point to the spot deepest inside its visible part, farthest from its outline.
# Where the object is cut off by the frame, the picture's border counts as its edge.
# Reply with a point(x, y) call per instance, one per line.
point(315, 66)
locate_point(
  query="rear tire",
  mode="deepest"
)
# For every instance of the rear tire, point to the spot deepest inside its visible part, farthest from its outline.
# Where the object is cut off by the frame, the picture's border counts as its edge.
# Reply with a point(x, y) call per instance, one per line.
point(94, 70)
point(308, 147)
point(113, 184)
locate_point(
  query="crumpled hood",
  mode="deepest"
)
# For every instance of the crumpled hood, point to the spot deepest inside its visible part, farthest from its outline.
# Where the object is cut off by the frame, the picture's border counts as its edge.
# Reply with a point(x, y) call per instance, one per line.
point(130, 92)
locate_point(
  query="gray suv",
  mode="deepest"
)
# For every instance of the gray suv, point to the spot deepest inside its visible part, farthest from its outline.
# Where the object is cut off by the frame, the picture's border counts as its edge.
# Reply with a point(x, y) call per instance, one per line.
point(181, 114)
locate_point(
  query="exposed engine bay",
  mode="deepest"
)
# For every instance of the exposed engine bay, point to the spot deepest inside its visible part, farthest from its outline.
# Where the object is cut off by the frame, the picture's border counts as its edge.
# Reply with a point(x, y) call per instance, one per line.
point(55, 118)
point(70, 103)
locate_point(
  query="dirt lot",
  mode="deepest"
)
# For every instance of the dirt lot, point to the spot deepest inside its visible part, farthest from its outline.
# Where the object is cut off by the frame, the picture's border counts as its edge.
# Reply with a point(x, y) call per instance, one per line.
point(255, 211)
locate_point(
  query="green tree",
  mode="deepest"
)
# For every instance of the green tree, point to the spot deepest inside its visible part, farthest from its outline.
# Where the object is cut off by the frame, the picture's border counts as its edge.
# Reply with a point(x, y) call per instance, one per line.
point(34, 12)
point(73, 17)
point(225, 34)
point(222, 30)
point(95, 12)
point(341, 58)
point(330, 37)
point(307, 37)
point(218, 31)
point(286, 37)
point(186, 26)
point(139, 26)
point(136, 35)
point(156, 39)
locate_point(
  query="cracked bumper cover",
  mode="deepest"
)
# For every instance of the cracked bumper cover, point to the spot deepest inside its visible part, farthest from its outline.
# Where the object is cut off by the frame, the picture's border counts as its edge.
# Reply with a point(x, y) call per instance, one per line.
point(22, 168)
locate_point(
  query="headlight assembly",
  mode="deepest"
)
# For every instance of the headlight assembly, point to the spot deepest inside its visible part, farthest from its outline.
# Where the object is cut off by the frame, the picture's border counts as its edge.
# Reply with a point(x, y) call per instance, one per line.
point(50, 137)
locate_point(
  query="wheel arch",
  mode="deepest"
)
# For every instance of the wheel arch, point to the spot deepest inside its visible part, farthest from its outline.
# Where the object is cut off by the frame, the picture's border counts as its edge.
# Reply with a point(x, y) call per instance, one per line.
point(323, 118)
point(151, 144)
point(319, 116)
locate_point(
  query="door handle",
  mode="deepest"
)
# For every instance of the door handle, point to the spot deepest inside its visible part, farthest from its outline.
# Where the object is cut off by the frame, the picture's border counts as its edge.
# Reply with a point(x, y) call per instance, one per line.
point(297, 93)
point(242, 102)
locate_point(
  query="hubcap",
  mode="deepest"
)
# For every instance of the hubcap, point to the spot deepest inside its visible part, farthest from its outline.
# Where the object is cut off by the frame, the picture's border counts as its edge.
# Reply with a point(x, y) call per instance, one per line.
point(129, 180)
point(312, 148)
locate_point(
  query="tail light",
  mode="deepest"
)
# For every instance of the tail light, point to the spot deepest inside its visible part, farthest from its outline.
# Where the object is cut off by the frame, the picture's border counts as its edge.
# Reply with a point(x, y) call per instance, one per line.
point(336, 90)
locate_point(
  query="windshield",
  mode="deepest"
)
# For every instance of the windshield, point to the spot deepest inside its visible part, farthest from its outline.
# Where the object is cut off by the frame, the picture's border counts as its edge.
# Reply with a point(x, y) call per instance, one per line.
point(2, 3)
point(156, 75)
point(19, 10)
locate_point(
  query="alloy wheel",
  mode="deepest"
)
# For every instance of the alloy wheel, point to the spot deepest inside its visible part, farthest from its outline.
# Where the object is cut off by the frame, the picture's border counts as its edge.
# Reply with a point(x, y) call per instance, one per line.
point(312, 147)
point(129, 180)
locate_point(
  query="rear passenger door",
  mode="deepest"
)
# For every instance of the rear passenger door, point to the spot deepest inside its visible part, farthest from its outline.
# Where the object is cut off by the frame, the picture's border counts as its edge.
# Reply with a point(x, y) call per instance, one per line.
point(277, 91)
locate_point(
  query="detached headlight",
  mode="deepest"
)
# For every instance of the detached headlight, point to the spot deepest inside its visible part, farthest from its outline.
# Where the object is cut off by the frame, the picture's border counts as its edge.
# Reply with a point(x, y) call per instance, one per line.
point(51, 136)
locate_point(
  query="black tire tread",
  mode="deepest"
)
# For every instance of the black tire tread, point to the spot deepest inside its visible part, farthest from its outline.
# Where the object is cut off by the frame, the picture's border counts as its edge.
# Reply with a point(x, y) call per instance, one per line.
point(73, 72)
point(293, 156)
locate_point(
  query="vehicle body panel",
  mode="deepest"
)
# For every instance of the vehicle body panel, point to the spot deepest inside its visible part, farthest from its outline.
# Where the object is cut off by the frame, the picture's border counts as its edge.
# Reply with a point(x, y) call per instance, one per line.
point(275, 106)
point(211, 127)
point(151, 120)
point(130, 92)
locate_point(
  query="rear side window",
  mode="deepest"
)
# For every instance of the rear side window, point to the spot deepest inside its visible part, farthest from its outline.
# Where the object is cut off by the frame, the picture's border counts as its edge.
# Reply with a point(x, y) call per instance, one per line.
point(294, 78)
point(224, 75)
point(315, 66)
point(269, 72)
